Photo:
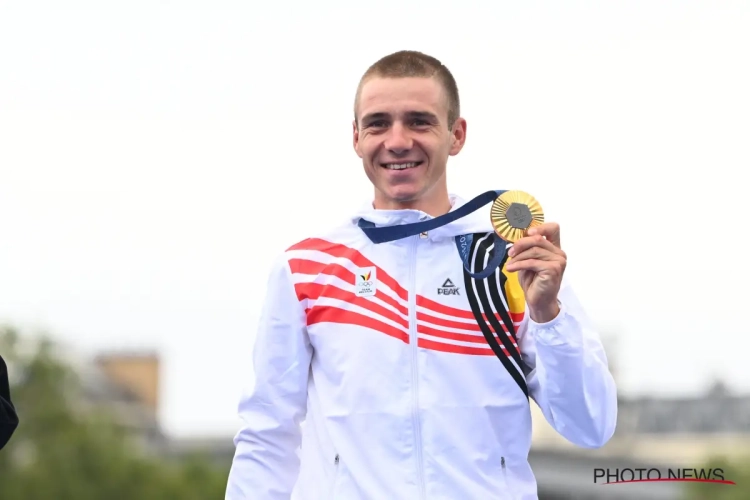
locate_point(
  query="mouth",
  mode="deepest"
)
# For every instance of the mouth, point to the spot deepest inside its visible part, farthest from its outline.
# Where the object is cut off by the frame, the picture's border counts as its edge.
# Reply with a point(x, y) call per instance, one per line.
point(401, 165)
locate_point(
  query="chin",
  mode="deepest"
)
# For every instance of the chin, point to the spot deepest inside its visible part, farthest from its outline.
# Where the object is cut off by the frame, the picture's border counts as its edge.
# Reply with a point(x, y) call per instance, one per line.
point(403, 195)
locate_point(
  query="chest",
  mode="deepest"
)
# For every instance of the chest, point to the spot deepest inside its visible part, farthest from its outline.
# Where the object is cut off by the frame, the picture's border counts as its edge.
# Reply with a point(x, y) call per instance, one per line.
point(385, 307)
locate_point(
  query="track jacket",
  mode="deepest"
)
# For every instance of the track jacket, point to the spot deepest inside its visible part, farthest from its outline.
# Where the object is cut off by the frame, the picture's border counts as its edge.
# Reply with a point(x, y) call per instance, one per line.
point(379, 351)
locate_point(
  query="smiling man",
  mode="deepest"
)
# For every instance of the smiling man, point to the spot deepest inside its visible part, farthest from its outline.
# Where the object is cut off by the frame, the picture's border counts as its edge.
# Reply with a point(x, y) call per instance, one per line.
point(402, 134)
point(414, 374)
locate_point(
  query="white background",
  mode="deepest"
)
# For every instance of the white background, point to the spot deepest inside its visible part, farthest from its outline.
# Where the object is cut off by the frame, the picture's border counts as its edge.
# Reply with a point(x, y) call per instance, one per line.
point(155, 156)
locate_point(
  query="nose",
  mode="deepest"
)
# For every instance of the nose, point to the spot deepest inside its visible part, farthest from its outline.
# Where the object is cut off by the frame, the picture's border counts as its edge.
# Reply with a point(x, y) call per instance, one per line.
point(398, 141)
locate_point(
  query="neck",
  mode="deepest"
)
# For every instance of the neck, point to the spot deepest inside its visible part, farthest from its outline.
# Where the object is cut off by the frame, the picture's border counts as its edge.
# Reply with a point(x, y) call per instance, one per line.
point(434, 204)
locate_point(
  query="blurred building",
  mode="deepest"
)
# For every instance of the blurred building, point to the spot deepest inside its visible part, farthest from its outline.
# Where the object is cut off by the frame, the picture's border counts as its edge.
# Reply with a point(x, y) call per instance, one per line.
point(652, 432)
point(684, 431)
point(127, 385)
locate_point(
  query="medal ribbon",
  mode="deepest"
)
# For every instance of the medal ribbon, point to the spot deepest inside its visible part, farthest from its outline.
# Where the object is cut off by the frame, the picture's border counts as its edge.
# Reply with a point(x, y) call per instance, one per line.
point(463, 242)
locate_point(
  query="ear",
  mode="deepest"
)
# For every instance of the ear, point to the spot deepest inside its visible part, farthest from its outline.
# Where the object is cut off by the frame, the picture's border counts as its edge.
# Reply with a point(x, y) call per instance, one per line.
point(355, 138)
point(458, 136)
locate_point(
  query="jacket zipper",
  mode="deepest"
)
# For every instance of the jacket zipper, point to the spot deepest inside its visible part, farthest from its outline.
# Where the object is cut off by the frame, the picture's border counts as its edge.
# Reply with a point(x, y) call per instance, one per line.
point(508, 485)
point(414, 363)
point(332, 488)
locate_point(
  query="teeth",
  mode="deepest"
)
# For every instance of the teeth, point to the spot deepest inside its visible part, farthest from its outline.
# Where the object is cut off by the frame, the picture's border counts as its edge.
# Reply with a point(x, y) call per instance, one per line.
point(400, 166)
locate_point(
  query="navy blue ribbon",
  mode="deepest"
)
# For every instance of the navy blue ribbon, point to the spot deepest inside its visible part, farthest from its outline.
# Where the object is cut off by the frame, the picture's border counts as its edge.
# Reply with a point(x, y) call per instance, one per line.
point(463, 242)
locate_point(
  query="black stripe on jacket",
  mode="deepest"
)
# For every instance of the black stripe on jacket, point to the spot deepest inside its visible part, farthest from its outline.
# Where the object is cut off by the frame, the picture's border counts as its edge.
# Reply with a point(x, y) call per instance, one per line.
point(489, 292)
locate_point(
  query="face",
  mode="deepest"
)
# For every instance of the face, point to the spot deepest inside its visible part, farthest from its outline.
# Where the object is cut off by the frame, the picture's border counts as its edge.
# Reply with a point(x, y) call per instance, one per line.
point(404, 139)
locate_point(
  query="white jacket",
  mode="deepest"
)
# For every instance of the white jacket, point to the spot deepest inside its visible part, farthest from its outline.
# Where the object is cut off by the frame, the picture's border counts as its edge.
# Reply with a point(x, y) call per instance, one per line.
point(378, 349)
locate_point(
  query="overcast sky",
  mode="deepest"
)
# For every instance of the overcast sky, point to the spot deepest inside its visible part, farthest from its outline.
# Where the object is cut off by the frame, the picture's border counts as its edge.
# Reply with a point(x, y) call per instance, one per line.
point(156, 156)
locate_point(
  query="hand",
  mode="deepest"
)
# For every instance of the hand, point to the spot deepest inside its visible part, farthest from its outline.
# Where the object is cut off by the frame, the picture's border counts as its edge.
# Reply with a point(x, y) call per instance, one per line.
point(540, 263)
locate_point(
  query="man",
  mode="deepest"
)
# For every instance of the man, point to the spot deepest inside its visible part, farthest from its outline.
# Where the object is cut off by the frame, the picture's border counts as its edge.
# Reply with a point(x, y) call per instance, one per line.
point(382, 348)
point(8, 416)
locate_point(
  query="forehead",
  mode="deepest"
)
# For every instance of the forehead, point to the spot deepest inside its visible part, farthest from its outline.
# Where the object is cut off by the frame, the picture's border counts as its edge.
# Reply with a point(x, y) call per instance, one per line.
point(400, 95)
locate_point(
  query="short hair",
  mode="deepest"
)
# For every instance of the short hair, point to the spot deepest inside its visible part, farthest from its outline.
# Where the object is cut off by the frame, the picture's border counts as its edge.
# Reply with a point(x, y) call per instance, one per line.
point(411, 63)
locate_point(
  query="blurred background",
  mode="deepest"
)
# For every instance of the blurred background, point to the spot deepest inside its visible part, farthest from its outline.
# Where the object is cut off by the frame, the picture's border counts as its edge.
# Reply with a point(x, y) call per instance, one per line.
point(156, 156)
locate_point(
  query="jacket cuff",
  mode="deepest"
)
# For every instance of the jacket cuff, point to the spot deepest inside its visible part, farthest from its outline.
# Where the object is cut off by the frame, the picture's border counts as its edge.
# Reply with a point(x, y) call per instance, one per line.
point(558, 331)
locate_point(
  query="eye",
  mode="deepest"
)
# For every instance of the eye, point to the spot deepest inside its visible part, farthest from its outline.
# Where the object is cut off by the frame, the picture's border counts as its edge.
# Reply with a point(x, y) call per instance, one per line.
point(417, 122)
point(377, 124)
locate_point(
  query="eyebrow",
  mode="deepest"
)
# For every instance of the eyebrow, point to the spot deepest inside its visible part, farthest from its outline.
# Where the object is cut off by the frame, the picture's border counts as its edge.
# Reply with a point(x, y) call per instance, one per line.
point(375, 116)
point(423, 115)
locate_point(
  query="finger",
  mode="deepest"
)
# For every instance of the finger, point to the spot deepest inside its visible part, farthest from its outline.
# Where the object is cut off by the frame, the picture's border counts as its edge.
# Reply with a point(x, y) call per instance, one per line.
point(535, 265)
point(552, 267)
point(533, 241)
point(550, 230)
point(537, 253)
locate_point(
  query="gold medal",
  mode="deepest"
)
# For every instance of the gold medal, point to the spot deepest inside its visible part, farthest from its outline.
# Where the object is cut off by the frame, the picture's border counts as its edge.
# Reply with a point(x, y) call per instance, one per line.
point(513, 213)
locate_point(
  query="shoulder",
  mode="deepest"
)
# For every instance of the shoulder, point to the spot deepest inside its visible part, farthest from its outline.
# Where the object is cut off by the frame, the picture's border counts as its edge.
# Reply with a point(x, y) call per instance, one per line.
point(343, 241)
point(346, 234)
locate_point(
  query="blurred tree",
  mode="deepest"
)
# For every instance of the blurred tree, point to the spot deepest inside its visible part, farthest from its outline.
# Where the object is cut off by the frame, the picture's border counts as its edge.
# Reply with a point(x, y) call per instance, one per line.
point(59, 452)
point(737, 471)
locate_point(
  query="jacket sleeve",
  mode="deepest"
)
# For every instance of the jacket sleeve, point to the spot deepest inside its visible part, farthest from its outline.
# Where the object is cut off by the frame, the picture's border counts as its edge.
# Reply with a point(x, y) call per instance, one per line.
point(8, 415)
point(569, 375)
point(266, 463)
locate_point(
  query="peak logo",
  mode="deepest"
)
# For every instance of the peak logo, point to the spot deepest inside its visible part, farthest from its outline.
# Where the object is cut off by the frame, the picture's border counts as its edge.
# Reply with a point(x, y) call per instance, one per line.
point(643, 475)
point(448, 288)
point(365, 285)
